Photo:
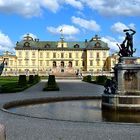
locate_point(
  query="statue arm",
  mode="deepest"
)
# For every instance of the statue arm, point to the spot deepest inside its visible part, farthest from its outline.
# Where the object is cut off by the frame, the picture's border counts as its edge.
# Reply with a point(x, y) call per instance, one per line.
point(133, 32)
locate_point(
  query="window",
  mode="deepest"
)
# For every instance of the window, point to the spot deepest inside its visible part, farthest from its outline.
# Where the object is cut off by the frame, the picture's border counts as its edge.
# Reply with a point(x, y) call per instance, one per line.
point(62, 64)
point(54, 64)
point(62, 55)
point(41, 54)
point(70, 55)
point(47, 63)
point(19, 54)
point(26, 54)
point(47, 54)
point(26, 62)
point(104, 54)
point(33, 54)
point(98, 63)
point(77, 55)
point(91, 63)
point(33, 62)
point(41, 63)
point(97, 55)
point(11, 62)
point(54, 55)
point(91, 55)
point(70, 64)
point(83, 63)
point(76, 63)
point(19, 62)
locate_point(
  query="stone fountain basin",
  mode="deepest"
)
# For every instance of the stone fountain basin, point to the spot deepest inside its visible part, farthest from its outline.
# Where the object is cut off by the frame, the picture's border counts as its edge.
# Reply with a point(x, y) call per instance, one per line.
point(75, 109)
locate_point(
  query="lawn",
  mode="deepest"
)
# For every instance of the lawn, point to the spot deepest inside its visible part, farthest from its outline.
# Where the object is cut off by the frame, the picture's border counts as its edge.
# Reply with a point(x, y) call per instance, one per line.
point(9, 84)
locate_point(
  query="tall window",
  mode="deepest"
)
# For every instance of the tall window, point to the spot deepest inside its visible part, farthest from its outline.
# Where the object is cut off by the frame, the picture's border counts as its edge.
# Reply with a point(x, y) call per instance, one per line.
point(70, 55)
point(41, 54)
point(47, 63)
point(70, 64)
point(26, 62)
point(54, 55)
point(33, 62)
point(62, 55)
point(41, 63)
point(19, 62)
point(97, 55)
point(19, 54)
point(33, 54)
point(54, 64)
point(76, 63)
point(26, 54)
point(76, 55)
point(98, 63)
point(83, 63)
point(104, 54)
point(47, 54)
point(11, 62)
point(91, 63)
point(91, 55)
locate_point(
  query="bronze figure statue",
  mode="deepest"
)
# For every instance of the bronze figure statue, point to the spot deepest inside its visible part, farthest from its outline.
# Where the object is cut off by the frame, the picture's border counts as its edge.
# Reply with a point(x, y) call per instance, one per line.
point(126, 47)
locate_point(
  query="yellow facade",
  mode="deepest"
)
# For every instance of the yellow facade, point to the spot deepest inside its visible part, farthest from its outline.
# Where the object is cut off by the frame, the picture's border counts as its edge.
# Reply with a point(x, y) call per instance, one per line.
point(60, 58)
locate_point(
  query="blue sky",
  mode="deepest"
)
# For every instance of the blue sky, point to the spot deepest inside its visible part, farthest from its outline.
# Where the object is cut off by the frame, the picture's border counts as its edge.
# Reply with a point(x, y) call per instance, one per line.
point(79, 19)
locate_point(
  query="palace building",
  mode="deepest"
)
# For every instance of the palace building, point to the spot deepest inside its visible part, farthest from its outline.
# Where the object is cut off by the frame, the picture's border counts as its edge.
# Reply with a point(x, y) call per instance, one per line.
point(60, 58)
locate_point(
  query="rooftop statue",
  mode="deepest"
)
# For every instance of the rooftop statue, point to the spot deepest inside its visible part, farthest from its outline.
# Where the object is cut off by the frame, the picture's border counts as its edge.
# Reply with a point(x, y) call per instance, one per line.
point(126, 47)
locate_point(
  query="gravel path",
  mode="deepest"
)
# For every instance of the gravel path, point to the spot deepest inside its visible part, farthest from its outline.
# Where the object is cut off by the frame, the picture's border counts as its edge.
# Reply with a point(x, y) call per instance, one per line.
point(26, 128)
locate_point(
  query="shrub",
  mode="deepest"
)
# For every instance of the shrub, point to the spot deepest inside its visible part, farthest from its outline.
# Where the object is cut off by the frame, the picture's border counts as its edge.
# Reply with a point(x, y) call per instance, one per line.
point(22, 80)
point(36, 78)
point(87, 78)
point(101, 79)
point(51, 84)
point(51, 80)
point(31, 79)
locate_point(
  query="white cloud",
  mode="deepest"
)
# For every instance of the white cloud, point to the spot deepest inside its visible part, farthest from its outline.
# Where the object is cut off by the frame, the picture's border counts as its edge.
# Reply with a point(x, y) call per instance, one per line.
point(35, 7)
point(111, 43)
point(119, 27)
point(67, 29)
point(5, 43)
point(87, 24)
point(52, 5)
point(115, 7)
point(75, 3)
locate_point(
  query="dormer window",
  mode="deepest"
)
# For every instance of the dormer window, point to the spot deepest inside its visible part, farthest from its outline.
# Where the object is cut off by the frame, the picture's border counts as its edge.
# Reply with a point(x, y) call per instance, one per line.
point(47, 46)
point(97, 44)
point(76, 46)
point(26, 44)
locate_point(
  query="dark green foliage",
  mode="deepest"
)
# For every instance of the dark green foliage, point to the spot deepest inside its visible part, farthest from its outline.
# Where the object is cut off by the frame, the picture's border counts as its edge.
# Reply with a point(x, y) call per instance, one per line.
point(22, 80)
point(31, 79)
point(87, 78)
point(51, 80)
point(11, 88)
point(36, 78)
point(51, 84)
point(101, 79)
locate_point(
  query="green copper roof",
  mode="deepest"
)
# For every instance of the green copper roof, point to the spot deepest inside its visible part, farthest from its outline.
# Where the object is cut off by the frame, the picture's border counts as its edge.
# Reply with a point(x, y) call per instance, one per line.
point(94, 43)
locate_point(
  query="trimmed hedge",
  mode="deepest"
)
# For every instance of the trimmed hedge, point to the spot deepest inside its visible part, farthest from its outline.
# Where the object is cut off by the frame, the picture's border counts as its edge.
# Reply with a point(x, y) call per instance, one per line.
point(22, 80)
point(51, 85)
point(87, 78)
point(101, 79)
point(31, 79)
point(36, 78)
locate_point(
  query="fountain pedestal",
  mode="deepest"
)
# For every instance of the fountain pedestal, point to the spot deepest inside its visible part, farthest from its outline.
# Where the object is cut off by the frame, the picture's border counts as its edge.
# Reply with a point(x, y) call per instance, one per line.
point(127, 94)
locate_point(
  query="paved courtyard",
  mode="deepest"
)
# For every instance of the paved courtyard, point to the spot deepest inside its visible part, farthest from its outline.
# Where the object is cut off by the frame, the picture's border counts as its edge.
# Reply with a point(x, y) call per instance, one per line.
point(27, 128)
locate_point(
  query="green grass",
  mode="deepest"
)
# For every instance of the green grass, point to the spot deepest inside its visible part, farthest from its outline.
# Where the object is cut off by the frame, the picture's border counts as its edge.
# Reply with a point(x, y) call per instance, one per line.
point(10, 85)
